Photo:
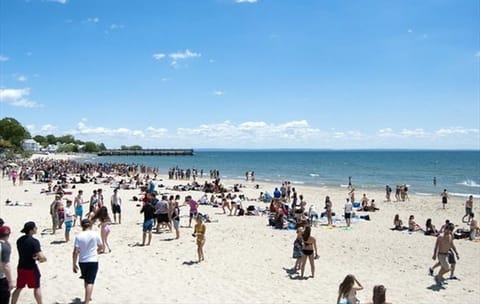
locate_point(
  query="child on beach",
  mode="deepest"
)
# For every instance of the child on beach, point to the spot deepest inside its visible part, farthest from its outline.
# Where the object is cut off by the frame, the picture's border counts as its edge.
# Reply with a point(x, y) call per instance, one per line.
point(297, 249)
point(199, 233)
point(348, 289)
point(69, 215)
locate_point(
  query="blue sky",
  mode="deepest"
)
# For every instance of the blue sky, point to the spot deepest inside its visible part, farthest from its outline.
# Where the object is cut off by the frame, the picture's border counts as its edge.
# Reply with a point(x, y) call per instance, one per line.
point(244, 74)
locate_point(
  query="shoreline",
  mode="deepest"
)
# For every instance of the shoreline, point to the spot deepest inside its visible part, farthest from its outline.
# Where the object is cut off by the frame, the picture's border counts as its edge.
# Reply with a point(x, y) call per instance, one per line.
point(246, 260)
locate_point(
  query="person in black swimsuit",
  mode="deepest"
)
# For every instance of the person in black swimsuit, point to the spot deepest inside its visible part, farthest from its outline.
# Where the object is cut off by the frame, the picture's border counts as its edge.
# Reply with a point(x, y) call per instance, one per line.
point(309, 247)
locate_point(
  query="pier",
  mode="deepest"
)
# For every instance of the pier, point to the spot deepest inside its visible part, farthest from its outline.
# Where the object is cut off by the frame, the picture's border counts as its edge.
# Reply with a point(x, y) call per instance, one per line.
point(157, 152)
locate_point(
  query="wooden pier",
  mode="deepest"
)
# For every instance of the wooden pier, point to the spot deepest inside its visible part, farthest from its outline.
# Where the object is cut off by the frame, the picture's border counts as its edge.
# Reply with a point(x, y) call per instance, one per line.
point(156, 152)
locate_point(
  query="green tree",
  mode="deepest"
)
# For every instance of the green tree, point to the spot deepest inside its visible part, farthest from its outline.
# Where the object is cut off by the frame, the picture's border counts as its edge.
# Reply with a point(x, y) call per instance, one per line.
point(51, 139)
point(66, 139)
point(90, 147)
point(102, 147)
point(12, 131)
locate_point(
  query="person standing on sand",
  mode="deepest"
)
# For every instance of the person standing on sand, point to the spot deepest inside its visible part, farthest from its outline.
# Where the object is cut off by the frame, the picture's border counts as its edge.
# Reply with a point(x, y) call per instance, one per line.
point(199, 233)
point(444, 196)
point(348, 211)
point(116, 204)
point(69, 215)
point(78, 207)
point(468, 209)
point(6, 280)
point(86, 247)
point(328, 210)
point(308, 249)
point(193, 208)
point(148, 215)
point(29, 253)
point(443, 244)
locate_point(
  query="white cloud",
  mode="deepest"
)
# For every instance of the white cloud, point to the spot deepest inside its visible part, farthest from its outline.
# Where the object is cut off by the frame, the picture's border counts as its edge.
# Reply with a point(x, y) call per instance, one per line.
point(456, 131)
point(3, 58)
point(184, 55)
point(18, 98)
point(176, 57)
point(245, 1)
point(218, 93)
point(116, 26)
point(59, 1)
point(92, 20)
point(405, 133)
point(158, 56)
point(22, 78)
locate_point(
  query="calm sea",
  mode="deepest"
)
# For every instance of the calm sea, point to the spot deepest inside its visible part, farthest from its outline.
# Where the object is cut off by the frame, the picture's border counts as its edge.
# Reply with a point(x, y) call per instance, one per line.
point(457, 171)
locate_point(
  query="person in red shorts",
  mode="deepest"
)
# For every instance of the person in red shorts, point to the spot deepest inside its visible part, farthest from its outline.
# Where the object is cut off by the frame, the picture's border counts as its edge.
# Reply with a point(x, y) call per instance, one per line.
point(29, 252)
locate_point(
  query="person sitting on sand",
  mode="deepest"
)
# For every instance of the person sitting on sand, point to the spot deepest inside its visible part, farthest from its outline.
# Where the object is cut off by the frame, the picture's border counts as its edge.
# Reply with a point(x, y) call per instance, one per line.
point(398, 224)
point(379, 295)
point(412, 226)
point(430, 228)
point(365, 201)
point(348, 289)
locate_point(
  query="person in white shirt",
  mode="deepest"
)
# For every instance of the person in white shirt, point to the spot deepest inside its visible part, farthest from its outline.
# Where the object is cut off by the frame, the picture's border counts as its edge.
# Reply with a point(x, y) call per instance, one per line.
point(116, 203)
point(86, 247)
point(348, 211)
point(69, 213)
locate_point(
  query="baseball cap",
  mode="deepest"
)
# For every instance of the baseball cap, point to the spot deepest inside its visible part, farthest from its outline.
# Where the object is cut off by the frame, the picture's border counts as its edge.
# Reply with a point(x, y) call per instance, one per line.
point(4, 230)
point(28, 226)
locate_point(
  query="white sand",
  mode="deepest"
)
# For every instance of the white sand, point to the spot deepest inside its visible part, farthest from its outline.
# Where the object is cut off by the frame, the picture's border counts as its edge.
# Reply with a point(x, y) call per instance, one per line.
point(245, 260)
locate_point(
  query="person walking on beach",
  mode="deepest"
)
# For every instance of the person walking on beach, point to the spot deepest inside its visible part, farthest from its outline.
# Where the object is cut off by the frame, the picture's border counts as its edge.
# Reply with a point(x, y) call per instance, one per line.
point(468, 209)
point(199, 233)
point(116, 204)
point(29, 253)
point(54, 212)
point(348, 211)
point(87, 244)
point(388, 193)
point(6, 280)
point(308, 249)
point(176, 219)
point(105, 221)
point(348, 289)
point(444, 196)
point(443, 244)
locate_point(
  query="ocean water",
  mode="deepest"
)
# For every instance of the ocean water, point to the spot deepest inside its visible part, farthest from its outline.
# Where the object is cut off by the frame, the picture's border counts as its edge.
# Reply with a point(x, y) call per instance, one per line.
point(456, 171)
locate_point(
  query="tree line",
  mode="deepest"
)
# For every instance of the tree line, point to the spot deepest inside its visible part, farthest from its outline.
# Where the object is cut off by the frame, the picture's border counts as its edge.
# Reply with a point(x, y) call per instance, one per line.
point(12, 135)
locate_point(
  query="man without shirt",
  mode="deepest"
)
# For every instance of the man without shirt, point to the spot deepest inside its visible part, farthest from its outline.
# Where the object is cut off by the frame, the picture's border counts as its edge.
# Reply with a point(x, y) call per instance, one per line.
point(443, 244)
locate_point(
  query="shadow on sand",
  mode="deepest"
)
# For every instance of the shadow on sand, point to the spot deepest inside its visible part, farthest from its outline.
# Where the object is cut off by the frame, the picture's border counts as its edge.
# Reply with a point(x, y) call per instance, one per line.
point(76, 301)
point(190, 263)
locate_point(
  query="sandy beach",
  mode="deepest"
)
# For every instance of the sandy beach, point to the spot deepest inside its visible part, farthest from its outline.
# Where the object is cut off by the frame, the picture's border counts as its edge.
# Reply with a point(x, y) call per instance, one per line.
point(247, 261)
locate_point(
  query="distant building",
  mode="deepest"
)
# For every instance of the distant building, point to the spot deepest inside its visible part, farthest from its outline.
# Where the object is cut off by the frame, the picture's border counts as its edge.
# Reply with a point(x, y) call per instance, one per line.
point(30, 145)
point(52, 148)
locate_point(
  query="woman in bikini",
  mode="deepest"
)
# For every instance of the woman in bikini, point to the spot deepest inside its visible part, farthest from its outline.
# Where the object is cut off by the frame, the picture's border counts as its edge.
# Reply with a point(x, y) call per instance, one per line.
point(348, 289)
point(308, 249)
point(105, 221)
point(199, 233)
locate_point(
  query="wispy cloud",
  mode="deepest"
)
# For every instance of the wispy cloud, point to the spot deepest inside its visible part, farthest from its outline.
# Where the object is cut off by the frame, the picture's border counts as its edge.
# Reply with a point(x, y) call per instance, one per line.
point(18, 98)
point(3, 58)
point(158, 56)
point(456, 131)
point(245, 1)
point(184, 55)
point(116, 26)
point(477, 54)
point(22, 78)
point(177, 56)
point(42, 130)
point(218, 93)
point(59, 1)
point(91, 20)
